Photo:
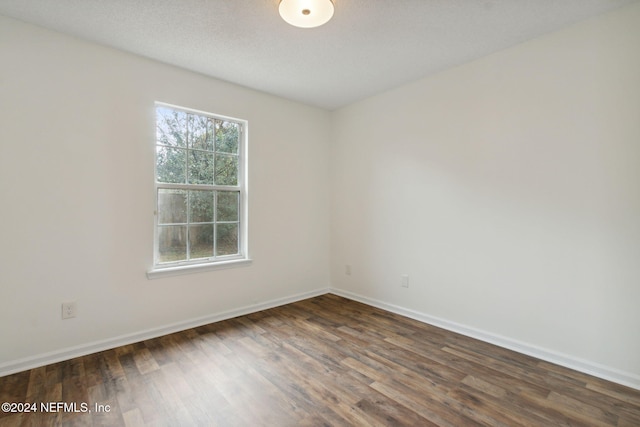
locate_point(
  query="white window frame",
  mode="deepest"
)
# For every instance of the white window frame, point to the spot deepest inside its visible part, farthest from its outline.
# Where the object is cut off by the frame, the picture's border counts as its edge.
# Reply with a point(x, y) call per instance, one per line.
point(215, 262)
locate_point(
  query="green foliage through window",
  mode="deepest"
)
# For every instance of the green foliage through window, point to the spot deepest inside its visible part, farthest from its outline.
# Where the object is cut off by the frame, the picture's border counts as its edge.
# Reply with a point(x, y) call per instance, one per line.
point(197, 181)
point(195, 149)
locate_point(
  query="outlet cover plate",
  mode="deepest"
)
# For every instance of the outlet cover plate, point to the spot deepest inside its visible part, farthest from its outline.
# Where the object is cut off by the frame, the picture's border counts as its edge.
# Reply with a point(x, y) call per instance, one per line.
point(69, 309)
point(404, 281)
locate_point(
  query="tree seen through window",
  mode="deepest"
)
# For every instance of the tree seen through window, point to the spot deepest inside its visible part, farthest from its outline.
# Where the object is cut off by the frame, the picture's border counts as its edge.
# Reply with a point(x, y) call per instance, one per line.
point(197, 182)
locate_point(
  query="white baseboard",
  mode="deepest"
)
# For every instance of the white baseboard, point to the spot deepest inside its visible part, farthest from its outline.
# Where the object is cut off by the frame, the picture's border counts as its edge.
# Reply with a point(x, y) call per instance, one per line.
point(31, 362)
point(585, 366)
point(607, 373)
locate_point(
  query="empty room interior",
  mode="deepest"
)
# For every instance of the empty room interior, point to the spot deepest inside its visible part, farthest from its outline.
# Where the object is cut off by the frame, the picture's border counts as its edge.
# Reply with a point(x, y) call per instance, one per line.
point(355, 212)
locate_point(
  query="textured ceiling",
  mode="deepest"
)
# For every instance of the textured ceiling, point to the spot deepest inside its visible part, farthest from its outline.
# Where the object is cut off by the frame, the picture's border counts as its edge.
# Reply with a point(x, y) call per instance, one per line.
point(369, 46)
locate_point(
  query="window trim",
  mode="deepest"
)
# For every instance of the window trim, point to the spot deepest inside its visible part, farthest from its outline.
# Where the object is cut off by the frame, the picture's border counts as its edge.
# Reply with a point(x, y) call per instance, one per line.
point(156, 273)
point(222, 262)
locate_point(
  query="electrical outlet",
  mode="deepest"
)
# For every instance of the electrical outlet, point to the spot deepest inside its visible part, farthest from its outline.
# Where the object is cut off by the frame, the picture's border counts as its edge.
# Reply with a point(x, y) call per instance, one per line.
point(69, 309)
point(404, 281)
point(347, 270)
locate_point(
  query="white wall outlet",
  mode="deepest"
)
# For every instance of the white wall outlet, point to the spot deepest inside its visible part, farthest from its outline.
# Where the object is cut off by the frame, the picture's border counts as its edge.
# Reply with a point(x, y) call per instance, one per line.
point(347, 270)
point(404, 280)
point(69, 309)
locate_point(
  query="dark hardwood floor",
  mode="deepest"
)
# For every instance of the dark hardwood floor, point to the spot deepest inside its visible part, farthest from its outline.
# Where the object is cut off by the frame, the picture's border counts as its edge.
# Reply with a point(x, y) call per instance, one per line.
point(322, 361)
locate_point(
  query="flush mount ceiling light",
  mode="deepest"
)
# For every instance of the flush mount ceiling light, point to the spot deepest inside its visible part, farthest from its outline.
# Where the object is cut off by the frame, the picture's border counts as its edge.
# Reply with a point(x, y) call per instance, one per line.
point(306, 13)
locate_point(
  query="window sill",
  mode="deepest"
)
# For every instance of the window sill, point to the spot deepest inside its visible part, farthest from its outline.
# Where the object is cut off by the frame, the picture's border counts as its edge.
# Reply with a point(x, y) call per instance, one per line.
point(157, 273)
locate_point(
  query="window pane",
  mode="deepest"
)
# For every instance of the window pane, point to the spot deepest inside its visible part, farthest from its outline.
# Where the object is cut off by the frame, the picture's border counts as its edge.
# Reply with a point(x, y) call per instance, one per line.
point(201, 241)
point(226, 239)
point(198, 164)
point(172, 243)
point(227, 136)
point(200, 167)
point(172, 206)
point(227, 208)
point(200, 132)
point(170, 165)
point(226, 170)
point(171, 127)
point(201, 206)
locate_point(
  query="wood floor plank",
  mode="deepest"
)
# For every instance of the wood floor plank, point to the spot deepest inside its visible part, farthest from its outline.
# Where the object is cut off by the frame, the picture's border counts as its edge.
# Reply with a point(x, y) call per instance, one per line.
point(591, 412)
point(503, 409)
point(322, 361)
point(133, 418)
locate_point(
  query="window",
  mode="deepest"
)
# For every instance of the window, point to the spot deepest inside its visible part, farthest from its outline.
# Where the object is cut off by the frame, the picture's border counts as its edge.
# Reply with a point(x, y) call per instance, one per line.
point(200, 218)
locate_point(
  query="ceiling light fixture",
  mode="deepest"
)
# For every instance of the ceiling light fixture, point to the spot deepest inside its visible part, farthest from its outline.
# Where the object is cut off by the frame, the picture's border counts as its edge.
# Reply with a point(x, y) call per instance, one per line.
point(306, 13)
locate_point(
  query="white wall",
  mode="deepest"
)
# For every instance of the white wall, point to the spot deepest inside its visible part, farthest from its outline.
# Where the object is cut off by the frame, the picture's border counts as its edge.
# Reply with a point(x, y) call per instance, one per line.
point(76, 188)
point(509, 190)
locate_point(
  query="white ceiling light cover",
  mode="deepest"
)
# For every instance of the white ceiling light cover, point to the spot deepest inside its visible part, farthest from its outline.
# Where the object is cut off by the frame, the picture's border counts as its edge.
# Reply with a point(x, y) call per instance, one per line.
point(306, 13)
